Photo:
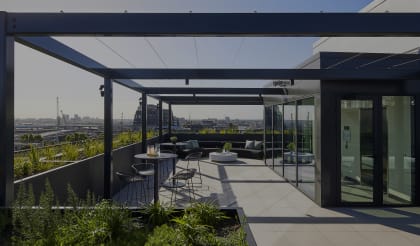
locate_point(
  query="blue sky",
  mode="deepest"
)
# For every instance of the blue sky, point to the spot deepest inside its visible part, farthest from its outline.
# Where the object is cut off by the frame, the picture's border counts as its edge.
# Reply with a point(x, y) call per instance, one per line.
point(40, 79)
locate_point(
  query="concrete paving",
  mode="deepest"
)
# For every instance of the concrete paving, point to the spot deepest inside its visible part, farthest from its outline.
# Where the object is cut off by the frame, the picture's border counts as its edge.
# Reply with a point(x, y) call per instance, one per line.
point(279, 214)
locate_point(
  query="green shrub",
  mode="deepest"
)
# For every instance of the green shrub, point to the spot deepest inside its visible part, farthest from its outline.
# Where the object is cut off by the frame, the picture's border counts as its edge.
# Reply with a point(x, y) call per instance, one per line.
point(70, 152)
point(227, 146)
point(165, 235)
point(237, 238)
point(206, 213)
point(35, 226)
point(157, 214)
point(105, 224)
point(34, 157)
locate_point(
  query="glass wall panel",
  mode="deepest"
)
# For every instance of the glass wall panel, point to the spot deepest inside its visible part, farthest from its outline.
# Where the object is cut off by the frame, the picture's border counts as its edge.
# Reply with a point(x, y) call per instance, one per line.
point(357, 151)
point(398, 162)
point(305, 146)
point(268, 116)
point(289, 142)
point(278, 138)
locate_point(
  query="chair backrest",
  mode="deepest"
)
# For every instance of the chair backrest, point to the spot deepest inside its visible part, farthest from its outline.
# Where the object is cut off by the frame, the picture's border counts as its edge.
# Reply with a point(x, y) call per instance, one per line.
point(125, 177)
point(194, 156)
point(167, 151)
point(185, 174)
point(141, 167)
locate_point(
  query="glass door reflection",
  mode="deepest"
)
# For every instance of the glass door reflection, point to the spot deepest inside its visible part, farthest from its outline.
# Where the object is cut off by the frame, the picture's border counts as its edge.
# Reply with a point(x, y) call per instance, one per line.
point(398, 161)
point(357, 151)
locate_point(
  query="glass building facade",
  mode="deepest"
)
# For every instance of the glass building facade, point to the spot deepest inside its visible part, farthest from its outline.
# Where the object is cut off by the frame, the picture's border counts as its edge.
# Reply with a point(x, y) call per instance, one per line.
point(290, 127)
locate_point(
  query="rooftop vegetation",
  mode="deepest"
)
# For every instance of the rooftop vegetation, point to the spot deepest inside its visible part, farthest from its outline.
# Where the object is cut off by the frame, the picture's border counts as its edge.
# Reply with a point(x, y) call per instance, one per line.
point(38, 160)
point(83, 222)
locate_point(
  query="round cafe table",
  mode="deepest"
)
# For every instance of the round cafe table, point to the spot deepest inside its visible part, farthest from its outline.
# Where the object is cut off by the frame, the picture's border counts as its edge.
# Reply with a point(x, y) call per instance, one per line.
point(156, 160)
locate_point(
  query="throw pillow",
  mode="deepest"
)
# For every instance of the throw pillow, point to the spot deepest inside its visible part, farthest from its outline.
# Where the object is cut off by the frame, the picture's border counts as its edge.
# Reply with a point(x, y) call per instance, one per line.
point(195, 144)
point(249, 144)
point(258, 145)
point(189, 144)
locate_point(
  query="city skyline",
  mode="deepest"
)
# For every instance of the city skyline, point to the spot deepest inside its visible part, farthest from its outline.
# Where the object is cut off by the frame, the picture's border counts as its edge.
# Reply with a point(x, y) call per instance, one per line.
point(40, 79)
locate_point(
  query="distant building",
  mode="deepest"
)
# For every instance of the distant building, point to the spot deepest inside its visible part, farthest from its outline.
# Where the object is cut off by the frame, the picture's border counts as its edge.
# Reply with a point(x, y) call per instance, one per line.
point(152, 117)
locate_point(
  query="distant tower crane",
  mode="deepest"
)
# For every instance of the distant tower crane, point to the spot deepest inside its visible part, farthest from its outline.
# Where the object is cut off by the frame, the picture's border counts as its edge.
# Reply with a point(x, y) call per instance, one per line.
point(63, 117)
point(58, 116)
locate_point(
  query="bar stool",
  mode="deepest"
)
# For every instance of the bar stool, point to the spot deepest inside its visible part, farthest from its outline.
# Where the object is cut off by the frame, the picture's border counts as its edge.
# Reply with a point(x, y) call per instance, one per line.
point(145, 170)
point(196, 156)
point(186, 176)
point(129, 179)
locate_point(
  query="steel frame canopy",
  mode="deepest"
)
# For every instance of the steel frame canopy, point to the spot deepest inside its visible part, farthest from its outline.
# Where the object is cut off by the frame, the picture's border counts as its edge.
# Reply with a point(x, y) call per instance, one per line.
point(33, 29)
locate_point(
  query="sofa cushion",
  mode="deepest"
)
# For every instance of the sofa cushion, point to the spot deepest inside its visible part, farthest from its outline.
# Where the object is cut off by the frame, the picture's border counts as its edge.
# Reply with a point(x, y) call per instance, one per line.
point(189, 144)
point(249, 144)
point(258, 145)
point(195, 144)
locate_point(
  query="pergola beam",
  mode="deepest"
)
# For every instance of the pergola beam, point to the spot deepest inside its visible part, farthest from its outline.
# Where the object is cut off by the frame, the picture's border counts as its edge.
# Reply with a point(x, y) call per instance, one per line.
point(190, 103)
point(210, 98)
point(213, 100)
point(215, 24)
point(198, 90)
point(62, 52)
point(263, 74)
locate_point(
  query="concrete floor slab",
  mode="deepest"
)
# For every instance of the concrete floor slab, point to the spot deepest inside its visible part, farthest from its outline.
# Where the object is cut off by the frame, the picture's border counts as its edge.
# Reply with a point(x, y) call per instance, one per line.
point(279, 214)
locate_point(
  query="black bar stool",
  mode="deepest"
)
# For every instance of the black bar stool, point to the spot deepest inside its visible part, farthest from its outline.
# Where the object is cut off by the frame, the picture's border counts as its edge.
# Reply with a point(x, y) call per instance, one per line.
point(128, 180)
point(145, 170)
point(196, 156)
point(176, 183)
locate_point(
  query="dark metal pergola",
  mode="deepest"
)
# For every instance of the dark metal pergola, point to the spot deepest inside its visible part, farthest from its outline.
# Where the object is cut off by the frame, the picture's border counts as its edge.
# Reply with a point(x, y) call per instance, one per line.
point(34, 30)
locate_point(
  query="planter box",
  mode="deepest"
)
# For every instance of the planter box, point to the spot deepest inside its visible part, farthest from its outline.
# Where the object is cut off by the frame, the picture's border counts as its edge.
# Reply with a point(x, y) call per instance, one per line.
point(235, 213)
point(84, 175)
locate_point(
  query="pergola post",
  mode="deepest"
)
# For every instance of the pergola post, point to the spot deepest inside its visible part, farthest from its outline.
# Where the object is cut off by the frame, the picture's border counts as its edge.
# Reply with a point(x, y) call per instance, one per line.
point(6, 114)
point(170, 119)
point(143, 122)
point(160, 112)
point(108, 138)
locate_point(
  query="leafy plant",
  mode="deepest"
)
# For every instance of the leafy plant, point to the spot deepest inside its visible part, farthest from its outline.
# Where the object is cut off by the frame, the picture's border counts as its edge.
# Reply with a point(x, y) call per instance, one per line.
point(227, 146)
point(35, 226)
point(237, 238)
point(70, 152)
point(173, 139)
point(157, 214)
point(191, 228)
point(206, 213)
point(165, 235)
point(104, 224)
point(291, 146)
point(34, 157)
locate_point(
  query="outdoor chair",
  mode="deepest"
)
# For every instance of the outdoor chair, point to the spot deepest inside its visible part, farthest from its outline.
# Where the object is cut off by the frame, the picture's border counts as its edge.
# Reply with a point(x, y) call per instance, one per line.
point(180, 180)
point(196, 156)
point(146, 170)
point(129, 180)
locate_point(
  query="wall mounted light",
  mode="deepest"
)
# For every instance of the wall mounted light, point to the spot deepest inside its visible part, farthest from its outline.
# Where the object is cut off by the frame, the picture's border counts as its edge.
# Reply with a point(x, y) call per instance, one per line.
point(102, 90)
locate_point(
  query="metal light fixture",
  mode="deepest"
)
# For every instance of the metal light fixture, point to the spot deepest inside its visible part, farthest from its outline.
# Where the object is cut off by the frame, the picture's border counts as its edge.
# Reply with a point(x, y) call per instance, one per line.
point(102, 90)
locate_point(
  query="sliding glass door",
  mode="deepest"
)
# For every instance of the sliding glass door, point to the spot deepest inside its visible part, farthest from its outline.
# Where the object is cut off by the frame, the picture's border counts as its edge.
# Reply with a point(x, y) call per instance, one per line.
point(377, 150)
point(357, 151)
point(399, 160)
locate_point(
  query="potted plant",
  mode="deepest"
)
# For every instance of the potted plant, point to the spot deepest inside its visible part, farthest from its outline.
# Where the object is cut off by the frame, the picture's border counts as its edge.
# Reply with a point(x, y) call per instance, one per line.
point(291, 146)
point(227, 147)
point(173, 139)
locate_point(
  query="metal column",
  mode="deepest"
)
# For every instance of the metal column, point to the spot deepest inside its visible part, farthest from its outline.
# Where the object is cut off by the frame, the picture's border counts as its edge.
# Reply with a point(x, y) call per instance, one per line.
point(6, 114)
point(108, 139)
point(160, 112)
point(170, 120)
point(143, 122)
